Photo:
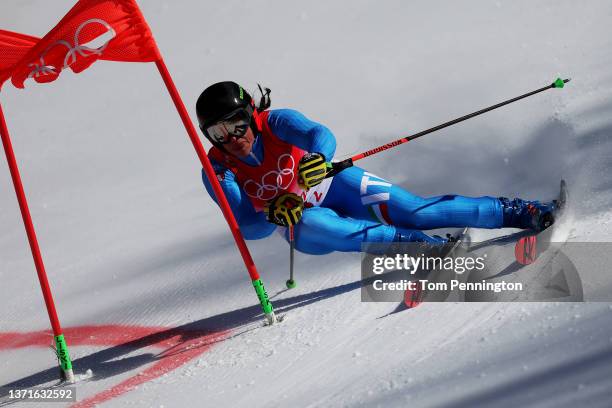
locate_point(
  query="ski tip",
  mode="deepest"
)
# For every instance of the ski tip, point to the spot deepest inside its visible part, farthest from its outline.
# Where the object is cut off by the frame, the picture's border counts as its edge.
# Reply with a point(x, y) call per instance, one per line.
point(563, 192)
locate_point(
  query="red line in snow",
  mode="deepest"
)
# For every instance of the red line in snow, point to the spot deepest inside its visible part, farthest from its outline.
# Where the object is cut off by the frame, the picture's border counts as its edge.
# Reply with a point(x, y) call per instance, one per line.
point(179, 346)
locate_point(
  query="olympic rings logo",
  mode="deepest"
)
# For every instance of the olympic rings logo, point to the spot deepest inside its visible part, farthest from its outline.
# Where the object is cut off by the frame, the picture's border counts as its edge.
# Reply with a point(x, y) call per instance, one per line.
point(273, 181)
point(41, 68)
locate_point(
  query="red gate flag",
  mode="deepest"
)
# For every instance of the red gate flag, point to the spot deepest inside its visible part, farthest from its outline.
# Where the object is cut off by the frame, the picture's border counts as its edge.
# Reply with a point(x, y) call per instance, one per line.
point(13, 47)
point(113, 30)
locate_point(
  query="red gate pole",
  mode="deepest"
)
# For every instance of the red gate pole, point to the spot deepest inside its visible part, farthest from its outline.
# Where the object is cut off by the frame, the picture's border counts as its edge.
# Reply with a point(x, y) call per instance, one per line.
point(223, 203)
point(60, 342)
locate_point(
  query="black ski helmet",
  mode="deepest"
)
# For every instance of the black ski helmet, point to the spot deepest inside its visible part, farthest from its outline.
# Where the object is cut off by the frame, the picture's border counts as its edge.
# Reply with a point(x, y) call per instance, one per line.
point(223, 99)
point(219, 100)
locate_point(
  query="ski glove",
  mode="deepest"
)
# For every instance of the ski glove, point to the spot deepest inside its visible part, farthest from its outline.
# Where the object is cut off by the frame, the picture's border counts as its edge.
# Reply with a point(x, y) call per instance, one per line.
point(312, 169)
point(284, 210)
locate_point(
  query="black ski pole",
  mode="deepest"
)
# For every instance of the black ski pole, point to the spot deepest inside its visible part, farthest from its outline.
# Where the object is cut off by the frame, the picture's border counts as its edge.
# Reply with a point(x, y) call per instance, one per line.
point(337, 167)
point(291, 282)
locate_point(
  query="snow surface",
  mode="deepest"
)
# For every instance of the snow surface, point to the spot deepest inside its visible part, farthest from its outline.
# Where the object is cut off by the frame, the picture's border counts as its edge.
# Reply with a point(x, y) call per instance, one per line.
point(130, 237)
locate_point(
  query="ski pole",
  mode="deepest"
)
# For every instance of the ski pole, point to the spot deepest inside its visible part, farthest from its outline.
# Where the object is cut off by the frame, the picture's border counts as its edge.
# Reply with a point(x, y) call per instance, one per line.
point(337, 167)
point(291, 282)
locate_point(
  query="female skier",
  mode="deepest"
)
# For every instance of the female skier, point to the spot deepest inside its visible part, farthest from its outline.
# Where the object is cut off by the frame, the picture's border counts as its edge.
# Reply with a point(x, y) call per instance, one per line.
point(272, 166)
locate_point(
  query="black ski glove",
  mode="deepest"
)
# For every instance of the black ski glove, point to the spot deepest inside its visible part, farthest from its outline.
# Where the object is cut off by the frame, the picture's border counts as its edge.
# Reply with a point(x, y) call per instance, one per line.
point(312, 170)
point(285, 210)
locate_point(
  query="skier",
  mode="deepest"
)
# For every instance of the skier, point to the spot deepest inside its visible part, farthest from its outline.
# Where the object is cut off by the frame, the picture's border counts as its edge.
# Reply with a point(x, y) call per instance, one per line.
point(272, 166)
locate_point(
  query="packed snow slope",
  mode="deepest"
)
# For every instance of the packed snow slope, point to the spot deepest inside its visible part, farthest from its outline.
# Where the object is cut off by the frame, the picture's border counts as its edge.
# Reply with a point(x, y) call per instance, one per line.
point(130, 237)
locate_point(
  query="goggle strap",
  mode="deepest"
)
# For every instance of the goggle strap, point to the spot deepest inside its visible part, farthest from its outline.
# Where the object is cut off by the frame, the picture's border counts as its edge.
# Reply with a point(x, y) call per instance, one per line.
point(264, 101)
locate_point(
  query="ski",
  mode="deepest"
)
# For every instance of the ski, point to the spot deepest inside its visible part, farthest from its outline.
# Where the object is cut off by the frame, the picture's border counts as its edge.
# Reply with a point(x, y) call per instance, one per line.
point(413, 298)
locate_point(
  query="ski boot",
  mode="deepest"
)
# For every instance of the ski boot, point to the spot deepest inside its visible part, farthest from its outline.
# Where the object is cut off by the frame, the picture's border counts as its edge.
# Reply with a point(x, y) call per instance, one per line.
point(525, 214)
point(435, 245)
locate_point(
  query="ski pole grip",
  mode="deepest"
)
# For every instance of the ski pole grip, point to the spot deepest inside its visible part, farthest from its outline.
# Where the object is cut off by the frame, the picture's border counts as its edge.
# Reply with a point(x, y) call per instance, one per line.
point(337, 167)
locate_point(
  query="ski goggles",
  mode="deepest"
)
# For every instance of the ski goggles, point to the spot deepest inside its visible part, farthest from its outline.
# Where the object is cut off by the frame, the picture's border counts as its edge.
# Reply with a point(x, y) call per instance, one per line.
point(236, 124)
